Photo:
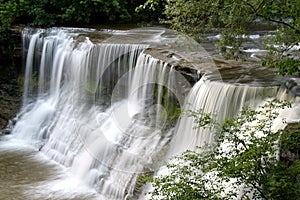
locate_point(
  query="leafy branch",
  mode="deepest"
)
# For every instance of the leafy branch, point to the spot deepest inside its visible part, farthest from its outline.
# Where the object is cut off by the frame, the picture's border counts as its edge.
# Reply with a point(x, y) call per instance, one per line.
point(242, 164)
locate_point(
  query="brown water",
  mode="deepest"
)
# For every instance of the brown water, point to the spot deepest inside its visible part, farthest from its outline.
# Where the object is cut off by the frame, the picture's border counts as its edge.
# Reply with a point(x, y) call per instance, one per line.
point(26, 175)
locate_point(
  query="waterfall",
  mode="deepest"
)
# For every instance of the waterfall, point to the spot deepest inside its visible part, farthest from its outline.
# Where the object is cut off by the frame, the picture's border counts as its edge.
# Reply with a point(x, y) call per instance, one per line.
point(108, 111)
point(223, 100)
point(220, 99)
point(99, 109)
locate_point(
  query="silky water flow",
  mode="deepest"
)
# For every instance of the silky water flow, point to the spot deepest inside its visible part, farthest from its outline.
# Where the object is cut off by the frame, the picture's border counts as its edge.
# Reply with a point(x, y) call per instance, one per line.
point(91, 108)
point(102, 112)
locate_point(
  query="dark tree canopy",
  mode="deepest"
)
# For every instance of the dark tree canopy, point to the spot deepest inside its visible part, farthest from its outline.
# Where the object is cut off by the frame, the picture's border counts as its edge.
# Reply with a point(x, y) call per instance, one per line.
point(66, 12)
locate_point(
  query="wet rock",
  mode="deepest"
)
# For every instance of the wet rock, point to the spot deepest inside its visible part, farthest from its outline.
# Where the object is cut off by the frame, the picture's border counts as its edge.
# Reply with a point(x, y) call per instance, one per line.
point(10, 68)
point(193, 65)
point(291, 152)
point(293, 87)
point(5, 132)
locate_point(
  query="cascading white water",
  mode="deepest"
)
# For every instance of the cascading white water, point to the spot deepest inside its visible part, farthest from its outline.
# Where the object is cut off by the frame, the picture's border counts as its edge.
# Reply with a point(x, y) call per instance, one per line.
point(102, 109)
point(223, 101)
point(93, 108)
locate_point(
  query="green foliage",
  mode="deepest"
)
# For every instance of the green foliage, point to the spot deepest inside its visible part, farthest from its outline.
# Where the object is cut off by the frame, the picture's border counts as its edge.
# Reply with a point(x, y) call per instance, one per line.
point(243, 164)
point(151, 10)
point(40, 15)
point(85, 11)
point(202, 119)
point(284, 64)
point(10, 11)
point(65, 12)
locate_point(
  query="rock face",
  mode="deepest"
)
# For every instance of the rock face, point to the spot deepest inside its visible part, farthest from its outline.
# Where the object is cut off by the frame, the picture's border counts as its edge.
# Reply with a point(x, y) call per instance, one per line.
point(291, 150)
point(10, 67)
point(9, 94)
